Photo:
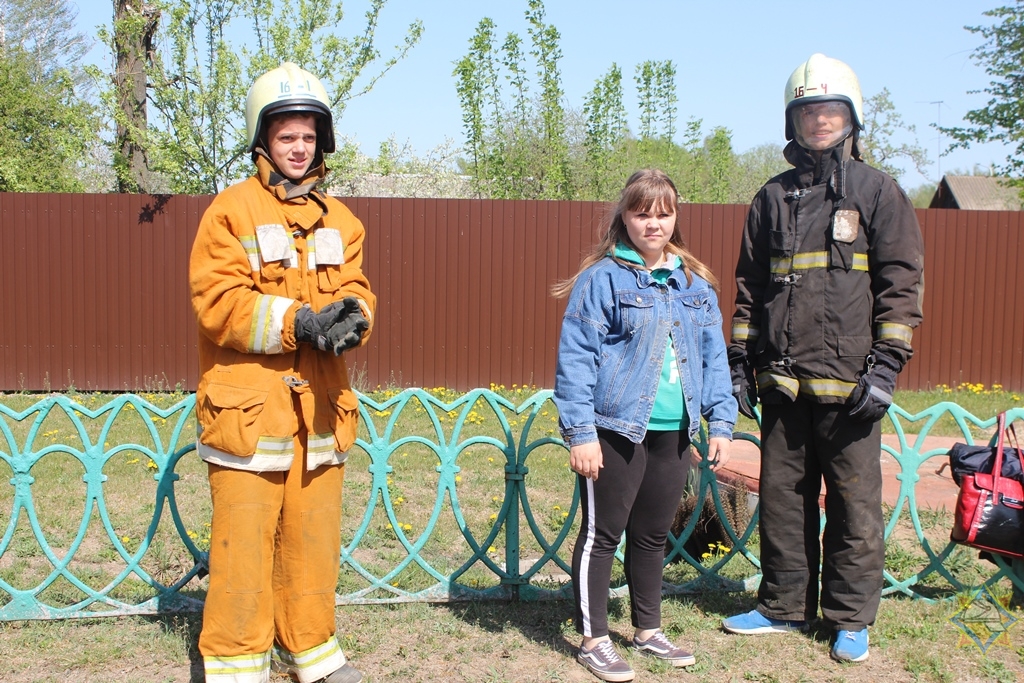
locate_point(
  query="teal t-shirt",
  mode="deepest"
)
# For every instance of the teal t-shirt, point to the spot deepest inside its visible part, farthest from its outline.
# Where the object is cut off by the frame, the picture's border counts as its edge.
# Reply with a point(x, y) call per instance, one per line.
point(669, 412)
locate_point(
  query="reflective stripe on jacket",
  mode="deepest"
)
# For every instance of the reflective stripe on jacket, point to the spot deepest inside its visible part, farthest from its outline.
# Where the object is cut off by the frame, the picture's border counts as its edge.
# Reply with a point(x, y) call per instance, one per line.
point(256, 259)
point(823, 283)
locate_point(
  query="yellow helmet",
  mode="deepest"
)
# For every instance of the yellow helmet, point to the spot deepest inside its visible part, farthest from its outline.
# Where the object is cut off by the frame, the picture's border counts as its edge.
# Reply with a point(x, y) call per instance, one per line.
point(288, 88)
point(823, 79)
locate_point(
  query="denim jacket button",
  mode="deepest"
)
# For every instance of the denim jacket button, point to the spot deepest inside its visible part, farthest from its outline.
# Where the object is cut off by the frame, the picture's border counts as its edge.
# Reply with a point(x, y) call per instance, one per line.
point(676, 323)
point(639, 300)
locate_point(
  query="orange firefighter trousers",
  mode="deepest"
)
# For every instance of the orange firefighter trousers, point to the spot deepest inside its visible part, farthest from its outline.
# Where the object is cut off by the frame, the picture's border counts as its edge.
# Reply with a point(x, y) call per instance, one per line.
point(274, 559)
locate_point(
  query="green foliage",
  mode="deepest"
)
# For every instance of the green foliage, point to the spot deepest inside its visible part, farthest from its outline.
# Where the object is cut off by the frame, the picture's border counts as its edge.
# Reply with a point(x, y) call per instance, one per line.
point(656, 87)
point(198, 79)
point(517, 149)
point(43, 33)
point(1002, 117)
point(46, 128)
point(881, 122)
point(527, 144)
point(606, 128)
point(921, 196)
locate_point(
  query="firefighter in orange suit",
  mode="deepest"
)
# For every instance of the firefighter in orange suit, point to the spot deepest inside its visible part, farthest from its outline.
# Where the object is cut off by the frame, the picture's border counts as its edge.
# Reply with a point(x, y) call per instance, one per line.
point(279, 294)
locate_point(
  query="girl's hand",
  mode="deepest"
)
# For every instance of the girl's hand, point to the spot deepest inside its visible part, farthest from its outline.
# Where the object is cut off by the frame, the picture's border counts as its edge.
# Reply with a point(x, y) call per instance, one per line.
point(718, 452)
point(586, 459)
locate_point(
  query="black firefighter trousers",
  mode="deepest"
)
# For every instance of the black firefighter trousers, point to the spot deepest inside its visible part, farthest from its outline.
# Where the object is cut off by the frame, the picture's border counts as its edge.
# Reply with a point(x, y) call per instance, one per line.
point(801, 442)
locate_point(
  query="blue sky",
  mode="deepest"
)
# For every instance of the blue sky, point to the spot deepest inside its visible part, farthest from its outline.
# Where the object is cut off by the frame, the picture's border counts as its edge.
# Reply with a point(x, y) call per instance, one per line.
point(732, 60)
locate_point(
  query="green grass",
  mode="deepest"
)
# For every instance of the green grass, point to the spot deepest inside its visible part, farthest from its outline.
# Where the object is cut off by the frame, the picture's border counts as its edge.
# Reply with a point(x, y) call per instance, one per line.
point(419, 642)
point(981, 401)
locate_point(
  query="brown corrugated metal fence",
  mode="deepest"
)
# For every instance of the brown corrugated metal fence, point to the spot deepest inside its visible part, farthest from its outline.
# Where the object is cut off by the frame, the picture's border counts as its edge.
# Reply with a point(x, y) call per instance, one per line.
point(95, 290)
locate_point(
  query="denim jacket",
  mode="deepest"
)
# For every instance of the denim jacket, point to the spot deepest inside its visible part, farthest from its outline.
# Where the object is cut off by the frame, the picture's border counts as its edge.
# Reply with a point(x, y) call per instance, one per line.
point(614, 335)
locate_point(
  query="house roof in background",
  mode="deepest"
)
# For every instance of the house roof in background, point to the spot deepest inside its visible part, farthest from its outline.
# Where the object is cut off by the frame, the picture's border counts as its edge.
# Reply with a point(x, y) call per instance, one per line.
point(976, 192)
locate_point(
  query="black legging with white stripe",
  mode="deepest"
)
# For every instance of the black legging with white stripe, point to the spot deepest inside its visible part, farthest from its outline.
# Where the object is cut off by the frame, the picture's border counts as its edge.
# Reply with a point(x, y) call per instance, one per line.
point(637, 491)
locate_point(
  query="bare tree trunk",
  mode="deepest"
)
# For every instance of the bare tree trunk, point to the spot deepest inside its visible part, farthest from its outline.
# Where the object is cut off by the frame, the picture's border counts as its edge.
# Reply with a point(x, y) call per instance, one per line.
point(135, 23)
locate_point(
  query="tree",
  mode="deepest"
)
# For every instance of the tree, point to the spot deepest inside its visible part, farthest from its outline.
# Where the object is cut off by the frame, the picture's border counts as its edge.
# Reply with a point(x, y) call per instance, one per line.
point(605, 129)
point(518, 147)
point(921, 196)
point(135, 23)
point(754, 168)
point(45, 129)
point(43, 33)
point(881, 122)
point(47, 125)
point(1002, 117)
point(656, 91)
point(197, 79)
point(555, 180)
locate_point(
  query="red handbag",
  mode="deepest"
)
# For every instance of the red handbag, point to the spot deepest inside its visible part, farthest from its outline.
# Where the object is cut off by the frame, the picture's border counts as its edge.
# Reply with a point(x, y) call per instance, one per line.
point(990, 507)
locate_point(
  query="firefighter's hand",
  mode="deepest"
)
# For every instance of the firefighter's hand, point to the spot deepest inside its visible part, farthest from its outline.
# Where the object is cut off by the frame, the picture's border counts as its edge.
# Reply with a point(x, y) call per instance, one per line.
point(872, 396)
point(311, 328)
point(348, 331)
point(744, 387)
point(586, 459)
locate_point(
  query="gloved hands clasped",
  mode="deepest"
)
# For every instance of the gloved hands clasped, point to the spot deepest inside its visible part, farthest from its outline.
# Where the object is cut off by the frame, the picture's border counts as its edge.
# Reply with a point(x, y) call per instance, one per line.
point(872, 396)
point(744, 387)
point(339, 326)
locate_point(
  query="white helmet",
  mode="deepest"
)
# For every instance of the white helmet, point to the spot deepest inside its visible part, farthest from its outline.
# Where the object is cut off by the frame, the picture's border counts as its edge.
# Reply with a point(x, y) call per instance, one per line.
point(823, 79)
point(288, 88)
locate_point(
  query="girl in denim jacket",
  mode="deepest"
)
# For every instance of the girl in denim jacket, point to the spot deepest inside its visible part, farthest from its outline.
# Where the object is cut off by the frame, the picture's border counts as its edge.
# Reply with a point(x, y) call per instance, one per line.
point(641, 359)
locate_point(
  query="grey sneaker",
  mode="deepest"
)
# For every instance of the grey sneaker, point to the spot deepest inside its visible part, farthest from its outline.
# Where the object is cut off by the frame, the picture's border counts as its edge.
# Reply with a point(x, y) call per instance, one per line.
point(346, 674)
point(661, 647)
point(605, 663)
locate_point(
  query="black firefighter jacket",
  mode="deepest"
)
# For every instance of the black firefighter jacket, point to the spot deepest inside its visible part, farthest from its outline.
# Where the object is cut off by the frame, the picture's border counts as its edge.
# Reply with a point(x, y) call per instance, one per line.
point(830, 270)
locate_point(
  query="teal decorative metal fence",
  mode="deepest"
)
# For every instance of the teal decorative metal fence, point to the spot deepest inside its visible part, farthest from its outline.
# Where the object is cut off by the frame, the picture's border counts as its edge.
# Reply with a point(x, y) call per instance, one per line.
point(448, 497)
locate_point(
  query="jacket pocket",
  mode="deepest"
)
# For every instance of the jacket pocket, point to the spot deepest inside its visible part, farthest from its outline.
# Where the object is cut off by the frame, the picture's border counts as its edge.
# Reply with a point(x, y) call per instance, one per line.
point(854, 346)
point(230, 418)
point(277, 251)
point(330, 256)
point(702, 313)
point(636, 309)
point(346, 407)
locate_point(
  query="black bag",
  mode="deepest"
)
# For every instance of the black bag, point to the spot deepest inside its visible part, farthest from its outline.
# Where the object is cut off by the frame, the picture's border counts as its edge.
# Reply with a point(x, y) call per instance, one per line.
point(965, 460)
point(990, 507)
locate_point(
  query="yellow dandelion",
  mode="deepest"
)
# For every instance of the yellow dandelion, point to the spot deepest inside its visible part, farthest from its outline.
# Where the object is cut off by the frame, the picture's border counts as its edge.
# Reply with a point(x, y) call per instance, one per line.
point(493, 516)
point(458, 478)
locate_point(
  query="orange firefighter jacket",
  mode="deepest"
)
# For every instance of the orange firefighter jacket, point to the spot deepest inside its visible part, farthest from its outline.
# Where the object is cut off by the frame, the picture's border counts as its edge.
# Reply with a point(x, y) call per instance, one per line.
point(257, 258)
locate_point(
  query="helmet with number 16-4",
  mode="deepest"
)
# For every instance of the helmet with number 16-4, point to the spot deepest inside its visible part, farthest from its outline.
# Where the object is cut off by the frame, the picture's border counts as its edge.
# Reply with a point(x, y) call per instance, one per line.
point(823, 79)
point(287, 89)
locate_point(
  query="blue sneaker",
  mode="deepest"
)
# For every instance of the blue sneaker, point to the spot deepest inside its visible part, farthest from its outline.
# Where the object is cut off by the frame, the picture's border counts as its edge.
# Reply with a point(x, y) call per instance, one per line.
point(850, 646)
point(755, 623)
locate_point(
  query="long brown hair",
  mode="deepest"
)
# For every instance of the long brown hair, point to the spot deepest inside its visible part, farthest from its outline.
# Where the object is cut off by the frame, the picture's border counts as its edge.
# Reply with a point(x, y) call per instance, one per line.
point(646, 189)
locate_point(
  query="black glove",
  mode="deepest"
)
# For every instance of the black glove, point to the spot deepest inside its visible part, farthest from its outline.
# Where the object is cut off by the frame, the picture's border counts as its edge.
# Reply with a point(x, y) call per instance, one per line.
point(872, 396)
point(348, 332)
point(329, 330)
point(744, 387)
